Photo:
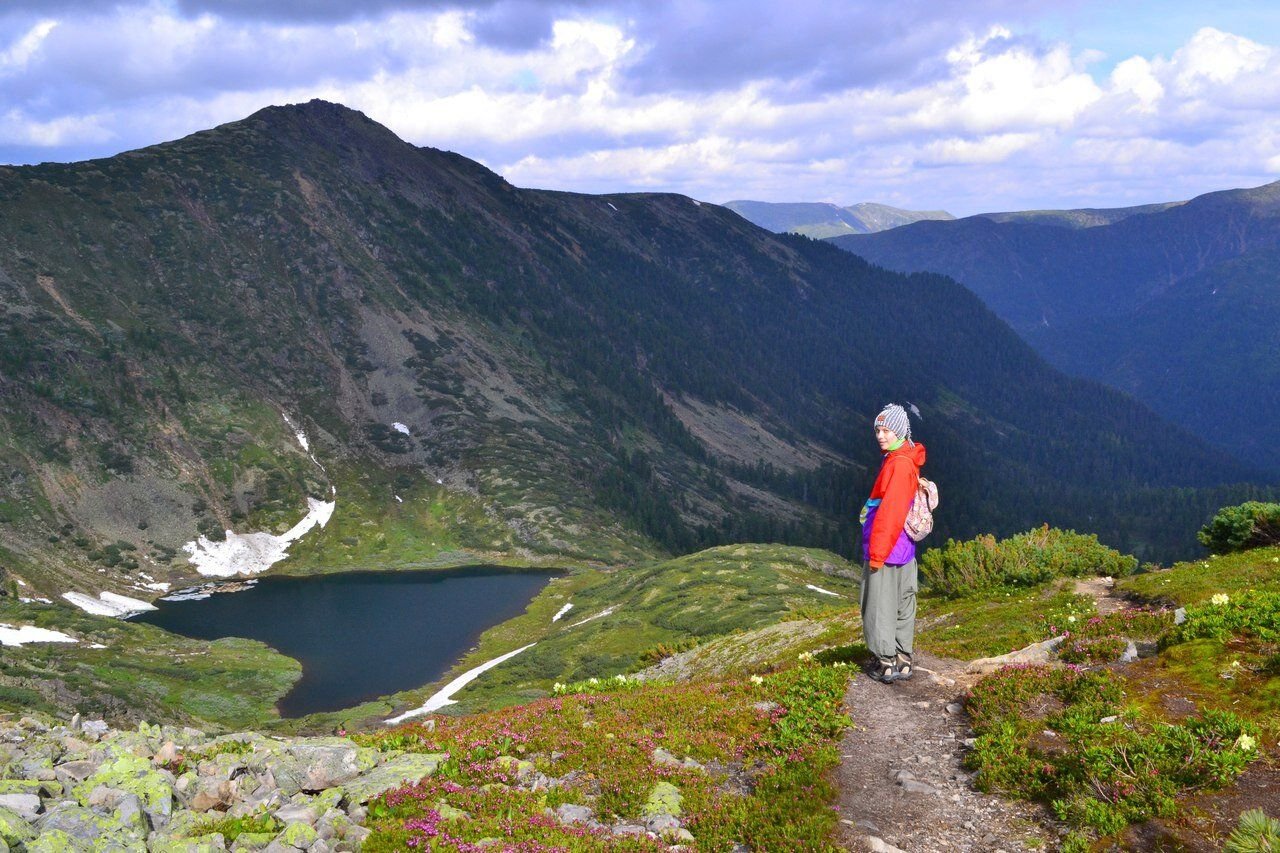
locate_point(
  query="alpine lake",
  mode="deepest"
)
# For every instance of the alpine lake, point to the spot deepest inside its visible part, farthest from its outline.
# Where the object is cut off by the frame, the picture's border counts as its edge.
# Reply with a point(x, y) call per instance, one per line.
point(358, 635)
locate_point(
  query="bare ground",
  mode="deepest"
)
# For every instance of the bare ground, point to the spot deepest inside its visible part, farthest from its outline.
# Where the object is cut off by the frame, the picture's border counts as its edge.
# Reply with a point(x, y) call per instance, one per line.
point(902, 780)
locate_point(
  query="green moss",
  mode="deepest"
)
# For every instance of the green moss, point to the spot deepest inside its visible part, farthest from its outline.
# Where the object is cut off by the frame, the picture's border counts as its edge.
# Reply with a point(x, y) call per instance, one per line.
point(1199, 580)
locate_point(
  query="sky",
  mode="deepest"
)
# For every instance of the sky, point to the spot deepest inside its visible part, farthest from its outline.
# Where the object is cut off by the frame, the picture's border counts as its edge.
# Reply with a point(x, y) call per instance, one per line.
point(968, 107)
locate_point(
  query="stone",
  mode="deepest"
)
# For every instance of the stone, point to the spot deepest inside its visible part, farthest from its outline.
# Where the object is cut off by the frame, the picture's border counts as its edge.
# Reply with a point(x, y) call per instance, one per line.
point(253, 841)
point(398, 771)
point(30, 786)
point(26, 805)
point(57, 841)
point(87, 827)
point(97, 728)
point(1036, 653)
point(1130, 653)
point(954, 707)
point(572, 813)
point(212, 843)
point(14, 828)
point(73, 772)
point(135, 775)
point(321, 763)
point(879, 845)
point(664, 798)
point(298, 835)
point(296, 813)
point(1180, 616)
point(167, 754)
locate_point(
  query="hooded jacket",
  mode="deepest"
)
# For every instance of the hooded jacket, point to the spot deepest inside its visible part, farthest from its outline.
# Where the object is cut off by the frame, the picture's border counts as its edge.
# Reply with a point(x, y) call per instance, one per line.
point(883, 539)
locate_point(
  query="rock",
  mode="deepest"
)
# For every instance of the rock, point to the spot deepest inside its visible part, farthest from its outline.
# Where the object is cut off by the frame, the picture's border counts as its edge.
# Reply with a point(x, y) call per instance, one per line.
point(664, 799)
point(320, 763)
point(213, 794)
point(296, 813)
point(74, 772)
point(1036, 653)
point(57, 841)
point(766, 707)
point(627, 829)
point(1130, 653)
point(91, 830)
point(14, 828)
point(298, 836)
point(26, 805)
point(167, 754)
point(914, 786)
point(30, 786)
point(954, 707)
point(253, 841)
point(212, 843)
point(399, 771)
point(662, 758)
point(879, 845)
point(571, 813)
point(1180, 616)
point(96, 728)
point(135, 775)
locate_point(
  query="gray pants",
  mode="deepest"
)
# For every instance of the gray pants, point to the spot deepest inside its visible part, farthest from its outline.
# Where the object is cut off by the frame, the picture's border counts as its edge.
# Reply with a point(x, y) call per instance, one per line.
point(889, 609)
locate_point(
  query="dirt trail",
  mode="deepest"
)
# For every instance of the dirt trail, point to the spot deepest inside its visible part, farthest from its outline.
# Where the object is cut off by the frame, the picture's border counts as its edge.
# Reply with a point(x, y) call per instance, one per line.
point(902, 783)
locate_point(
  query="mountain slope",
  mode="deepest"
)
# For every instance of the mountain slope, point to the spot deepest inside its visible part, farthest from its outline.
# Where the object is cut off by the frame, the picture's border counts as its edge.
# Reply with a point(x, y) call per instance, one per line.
point(821, 220)
point(206, 334)
point(1176, 306)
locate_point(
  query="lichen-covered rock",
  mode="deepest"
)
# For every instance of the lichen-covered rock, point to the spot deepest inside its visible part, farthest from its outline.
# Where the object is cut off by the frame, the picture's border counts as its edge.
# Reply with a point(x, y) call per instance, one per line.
point(664, 799)
point(400, 770)
point(26, 805)
point(253, 841)
point(14, 828)
point(298, 835)
point(135, 775)
point(57, 841)
point(30, 786)
point(93, 830)
point(320, 763)
point(212, 843)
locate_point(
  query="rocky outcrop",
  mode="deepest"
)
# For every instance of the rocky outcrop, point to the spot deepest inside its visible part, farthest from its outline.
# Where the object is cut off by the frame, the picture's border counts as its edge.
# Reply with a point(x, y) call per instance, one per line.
point(72, 788)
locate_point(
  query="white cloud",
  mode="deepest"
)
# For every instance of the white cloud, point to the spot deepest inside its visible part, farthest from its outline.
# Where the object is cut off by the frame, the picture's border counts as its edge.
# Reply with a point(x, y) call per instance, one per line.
point(24, 48)
point(962, 112)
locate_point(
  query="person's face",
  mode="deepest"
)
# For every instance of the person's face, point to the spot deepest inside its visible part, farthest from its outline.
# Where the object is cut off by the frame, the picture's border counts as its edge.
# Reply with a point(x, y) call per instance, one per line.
point(885, 437)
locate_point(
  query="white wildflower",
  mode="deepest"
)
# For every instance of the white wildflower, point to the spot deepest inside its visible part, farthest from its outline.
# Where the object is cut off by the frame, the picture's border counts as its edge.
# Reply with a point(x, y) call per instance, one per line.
point(756, 679)
point(1220, 598)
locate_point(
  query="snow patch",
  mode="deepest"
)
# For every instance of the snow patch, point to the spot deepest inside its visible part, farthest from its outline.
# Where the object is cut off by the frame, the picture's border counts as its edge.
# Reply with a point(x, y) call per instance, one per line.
point(20, 581)
point(610, 204)
point(444, 696)
point(108, 604)
point(696, 202)
point(399, 427)
point(35, 600)
point(608, 611)
point(96, 646)
point(11, 636)
point(250, 553)
point(821, 590)
point(562, 611)
point(399, 500)
point(158, 586)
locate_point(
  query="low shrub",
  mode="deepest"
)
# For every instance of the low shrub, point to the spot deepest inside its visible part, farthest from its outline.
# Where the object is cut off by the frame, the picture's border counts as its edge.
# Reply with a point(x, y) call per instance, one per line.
point(1063, 737)
point(982, 564)
point(1255, 833)
point(1102, 639)
point(1238, 528)
point(1249, 614)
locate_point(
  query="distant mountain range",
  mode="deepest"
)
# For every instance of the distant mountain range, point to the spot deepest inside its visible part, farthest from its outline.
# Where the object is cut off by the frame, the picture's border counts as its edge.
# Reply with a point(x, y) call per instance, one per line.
point(821, 220)
point(1177, 304)
point(300, 308)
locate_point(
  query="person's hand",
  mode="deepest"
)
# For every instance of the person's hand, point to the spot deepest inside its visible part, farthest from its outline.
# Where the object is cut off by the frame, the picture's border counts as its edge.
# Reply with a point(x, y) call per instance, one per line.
point(875, 567)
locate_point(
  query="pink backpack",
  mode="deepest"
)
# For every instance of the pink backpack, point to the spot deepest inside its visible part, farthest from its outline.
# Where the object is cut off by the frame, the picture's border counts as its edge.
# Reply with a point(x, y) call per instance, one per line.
point(920, 516)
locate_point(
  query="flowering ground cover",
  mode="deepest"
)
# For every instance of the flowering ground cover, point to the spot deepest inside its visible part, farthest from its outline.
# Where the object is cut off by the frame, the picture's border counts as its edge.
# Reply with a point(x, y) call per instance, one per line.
point(1067, 737)
point(601, 765)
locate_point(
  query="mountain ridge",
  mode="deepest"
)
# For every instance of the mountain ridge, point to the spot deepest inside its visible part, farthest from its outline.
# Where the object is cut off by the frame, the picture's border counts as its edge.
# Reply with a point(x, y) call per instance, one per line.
point(482, 372)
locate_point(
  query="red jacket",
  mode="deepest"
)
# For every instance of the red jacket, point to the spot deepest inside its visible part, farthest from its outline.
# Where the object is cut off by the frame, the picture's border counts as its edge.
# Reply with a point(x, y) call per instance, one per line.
point(895, 488)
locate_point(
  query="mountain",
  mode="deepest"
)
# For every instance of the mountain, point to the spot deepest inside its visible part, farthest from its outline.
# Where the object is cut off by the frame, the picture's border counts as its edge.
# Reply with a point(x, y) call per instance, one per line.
point(1179, 306)
point(821, 220)
point(1085, 217)
point(301, 316)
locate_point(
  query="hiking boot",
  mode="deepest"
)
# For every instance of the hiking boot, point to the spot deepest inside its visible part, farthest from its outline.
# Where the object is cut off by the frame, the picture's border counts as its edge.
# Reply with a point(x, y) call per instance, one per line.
point(903, 668)
point(884, 669)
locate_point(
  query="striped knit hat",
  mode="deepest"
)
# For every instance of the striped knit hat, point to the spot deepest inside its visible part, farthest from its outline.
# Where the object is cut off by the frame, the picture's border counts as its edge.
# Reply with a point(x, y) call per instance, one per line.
point(894, 418)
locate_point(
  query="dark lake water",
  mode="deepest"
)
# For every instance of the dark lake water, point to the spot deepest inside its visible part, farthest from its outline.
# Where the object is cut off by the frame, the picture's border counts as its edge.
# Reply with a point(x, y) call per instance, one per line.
point(359, 635)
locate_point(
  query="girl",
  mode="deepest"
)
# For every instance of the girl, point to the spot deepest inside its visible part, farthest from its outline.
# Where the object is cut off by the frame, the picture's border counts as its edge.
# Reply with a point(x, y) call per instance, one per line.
point(889, 554)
